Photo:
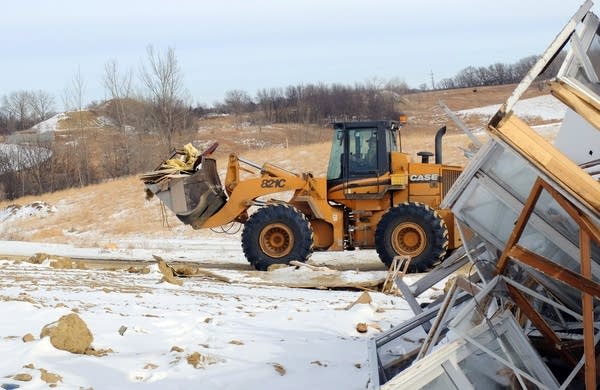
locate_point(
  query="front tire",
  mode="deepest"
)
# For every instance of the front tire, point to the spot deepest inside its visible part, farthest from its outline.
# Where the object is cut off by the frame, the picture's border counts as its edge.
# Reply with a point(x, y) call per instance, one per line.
point(276, 235)
point(415, 230)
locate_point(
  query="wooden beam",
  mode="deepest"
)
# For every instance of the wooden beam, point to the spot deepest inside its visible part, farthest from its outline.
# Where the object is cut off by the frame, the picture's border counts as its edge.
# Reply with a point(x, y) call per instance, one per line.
point(550, 268)
point(539, 322)
point(549, 160)
point(588, 313)
point(521, 223)
point(577, 101)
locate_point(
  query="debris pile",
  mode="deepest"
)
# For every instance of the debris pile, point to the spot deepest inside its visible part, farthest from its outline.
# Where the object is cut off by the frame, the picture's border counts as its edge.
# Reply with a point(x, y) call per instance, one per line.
point(529, 217)
point(181, 163)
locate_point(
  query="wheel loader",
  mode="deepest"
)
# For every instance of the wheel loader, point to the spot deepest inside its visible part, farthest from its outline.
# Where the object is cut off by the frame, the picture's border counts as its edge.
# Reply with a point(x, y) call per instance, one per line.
point(374, 197)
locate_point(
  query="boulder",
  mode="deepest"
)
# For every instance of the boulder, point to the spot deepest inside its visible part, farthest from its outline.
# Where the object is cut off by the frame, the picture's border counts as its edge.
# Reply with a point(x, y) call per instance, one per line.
point(70, 333)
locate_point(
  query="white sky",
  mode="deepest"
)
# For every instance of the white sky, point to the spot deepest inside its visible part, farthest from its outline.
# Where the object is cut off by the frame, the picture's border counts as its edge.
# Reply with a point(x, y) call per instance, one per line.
point(252, 44)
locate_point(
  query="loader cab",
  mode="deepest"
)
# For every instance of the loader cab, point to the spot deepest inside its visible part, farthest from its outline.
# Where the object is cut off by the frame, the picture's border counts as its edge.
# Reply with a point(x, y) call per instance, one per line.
point(361, 150)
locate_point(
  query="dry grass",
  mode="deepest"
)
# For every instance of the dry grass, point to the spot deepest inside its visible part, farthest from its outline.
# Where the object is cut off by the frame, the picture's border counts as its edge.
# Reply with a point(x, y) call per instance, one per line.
point(78, 119)
point(101, 214)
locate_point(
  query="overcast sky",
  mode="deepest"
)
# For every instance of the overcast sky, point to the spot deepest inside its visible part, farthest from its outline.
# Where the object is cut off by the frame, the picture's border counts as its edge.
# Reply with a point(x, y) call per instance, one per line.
point(251, 44)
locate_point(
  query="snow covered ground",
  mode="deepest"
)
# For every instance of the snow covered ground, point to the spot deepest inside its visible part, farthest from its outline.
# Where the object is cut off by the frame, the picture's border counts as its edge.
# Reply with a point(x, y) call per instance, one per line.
point(50, 124)
point(248, 335)
point(238, 331)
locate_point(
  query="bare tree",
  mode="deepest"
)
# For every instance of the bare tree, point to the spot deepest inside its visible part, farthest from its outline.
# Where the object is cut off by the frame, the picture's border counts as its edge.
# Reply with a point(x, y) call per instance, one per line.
point(237, 102)
point(74, 93)
point(118, 86)
point(42, 105)
point(17, 108)
point(164, 82)
point(73, 96)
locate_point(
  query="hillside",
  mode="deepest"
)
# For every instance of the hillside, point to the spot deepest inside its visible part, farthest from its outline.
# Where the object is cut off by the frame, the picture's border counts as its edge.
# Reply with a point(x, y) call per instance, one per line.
point(112, 211)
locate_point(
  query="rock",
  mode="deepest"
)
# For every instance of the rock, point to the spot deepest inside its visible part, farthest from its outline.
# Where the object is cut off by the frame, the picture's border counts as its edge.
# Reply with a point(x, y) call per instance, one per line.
point(98, 352)
point(38, 258)
point(23, 377)
point(279, 368)
point(61, 263)
point(361, 327)
point(195, 360)
point(9, 386)
point(70, 333)
point(236, 342)
point(176, 349)
point(122, 330)
point(50, 377)
point(28, 338)
point(186, 270)
point(135, 270)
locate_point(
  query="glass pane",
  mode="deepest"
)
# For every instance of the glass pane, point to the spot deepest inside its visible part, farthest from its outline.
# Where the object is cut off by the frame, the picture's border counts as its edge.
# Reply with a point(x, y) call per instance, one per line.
point(488, 373)
point(511, 172)
point(487, 216)
point(363, 151)
point(441, 382)
point(334, 171)
point(593, 53)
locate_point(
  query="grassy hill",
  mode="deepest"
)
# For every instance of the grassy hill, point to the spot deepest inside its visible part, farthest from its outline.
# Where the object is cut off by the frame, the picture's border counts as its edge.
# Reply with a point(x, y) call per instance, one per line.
point(117, 208)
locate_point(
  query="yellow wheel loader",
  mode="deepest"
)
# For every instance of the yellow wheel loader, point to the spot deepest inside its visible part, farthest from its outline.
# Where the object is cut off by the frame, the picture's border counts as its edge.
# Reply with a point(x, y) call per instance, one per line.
point(374, 196)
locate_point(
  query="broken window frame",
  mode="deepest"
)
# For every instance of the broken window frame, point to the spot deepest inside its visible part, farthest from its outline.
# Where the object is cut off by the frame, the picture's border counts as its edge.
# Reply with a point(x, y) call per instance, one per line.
point(447, 358)
point(578, 63)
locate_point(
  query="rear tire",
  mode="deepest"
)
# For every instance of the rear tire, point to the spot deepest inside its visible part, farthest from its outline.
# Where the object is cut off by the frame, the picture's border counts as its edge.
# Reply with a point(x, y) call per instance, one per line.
point(415, 230)
point(276, 235)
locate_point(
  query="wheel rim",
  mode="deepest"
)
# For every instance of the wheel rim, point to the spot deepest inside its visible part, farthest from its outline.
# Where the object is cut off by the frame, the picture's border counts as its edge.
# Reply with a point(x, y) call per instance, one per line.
point(276, 240)
point(409, 238)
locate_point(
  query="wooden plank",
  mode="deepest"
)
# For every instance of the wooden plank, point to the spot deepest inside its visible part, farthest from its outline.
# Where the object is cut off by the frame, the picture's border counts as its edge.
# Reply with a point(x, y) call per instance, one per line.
point(539, 322)
point(555, 271)
point(515, 235)
point(581, 219)
point(583, 105)
point(550, 161)
point(588, 313)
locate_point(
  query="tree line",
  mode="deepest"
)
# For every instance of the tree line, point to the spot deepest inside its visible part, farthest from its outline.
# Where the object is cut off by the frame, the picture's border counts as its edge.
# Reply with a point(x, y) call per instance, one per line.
point(498, 73)
point(151, 113)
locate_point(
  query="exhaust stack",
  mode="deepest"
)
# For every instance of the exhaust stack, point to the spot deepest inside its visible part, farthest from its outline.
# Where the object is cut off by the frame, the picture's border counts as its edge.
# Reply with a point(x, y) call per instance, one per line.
point(438, 144)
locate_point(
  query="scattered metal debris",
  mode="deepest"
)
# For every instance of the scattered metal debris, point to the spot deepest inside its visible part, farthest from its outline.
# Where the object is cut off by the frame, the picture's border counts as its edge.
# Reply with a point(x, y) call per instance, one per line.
point(529, 217)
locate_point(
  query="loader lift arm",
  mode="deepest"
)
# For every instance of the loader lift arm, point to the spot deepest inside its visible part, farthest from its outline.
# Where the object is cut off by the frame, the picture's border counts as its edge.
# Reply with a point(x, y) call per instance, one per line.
point(243, 193)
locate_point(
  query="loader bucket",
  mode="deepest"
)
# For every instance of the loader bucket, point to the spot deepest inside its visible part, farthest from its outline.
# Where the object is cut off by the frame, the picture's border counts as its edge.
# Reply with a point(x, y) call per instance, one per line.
point(192, 197)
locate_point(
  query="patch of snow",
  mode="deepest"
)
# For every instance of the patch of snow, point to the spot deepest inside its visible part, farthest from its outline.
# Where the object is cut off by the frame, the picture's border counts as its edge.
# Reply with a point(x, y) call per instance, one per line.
point(50, 124)
point(545, 107)
point(35, 209)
